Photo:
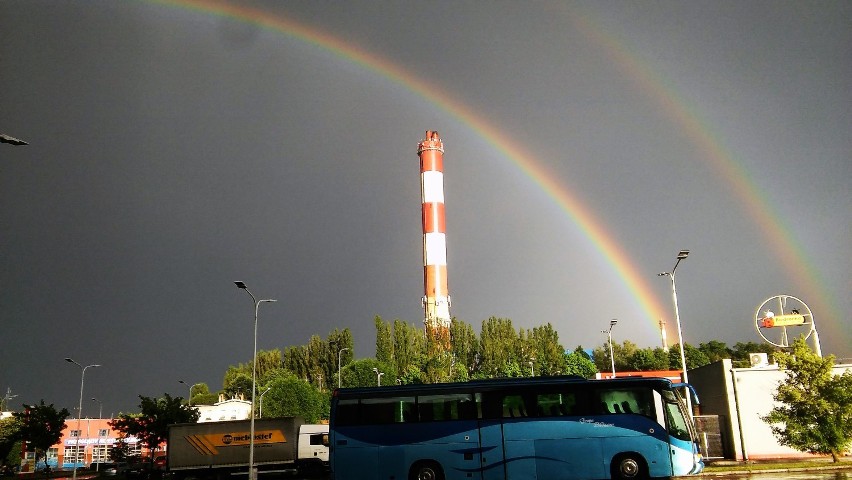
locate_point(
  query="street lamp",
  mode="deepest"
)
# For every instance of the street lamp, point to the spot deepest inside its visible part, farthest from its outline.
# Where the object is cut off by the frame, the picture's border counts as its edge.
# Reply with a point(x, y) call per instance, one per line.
point(188, 400)
point(257, 303)
point(532, 366)
point(100, 416)
point(79, 412)
point(680, 256)
point(378, 376)
point(609, 334)
point(260, 413)
point(339, 370)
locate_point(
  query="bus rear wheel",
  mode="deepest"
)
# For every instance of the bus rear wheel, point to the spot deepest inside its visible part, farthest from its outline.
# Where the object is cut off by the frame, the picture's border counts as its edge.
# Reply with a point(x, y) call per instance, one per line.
point(629, 466)
point(426, 471)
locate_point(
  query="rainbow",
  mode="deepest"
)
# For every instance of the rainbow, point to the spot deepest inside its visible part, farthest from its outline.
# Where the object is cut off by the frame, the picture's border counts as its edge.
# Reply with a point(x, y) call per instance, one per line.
point(778, 235)
point(722, 160)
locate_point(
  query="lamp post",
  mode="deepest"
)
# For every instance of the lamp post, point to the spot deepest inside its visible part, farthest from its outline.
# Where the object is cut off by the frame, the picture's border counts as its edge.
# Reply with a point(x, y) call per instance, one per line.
point(532, 366)
point(609, 335)
point(680, 256)
point(79, 412)
point(100, 416)
point(339, 369)
point(257, 303)
point(188, 400)
point(260, 413)
point(378, 376)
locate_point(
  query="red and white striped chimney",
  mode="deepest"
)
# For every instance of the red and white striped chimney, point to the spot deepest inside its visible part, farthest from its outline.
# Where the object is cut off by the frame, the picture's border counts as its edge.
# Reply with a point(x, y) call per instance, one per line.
point(436, 297)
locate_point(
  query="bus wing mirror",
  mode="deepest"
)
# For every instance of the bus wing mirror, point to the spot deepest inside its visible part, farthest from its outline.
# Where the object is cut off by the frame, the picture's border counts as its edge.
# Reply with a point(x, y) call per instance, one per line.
point(691, 391)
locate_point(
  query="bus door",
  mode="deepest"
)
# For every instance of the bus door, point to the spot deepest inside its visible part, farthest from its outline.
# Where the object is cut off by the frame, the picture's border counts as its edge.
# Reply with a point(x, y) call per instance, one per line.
point(491, 450)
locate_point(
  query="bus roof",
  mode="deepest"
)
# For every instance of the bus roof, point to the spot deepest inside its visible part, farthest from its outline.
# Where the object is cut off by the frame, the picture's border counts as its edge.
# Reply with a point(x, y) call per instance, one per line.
point(494, 384)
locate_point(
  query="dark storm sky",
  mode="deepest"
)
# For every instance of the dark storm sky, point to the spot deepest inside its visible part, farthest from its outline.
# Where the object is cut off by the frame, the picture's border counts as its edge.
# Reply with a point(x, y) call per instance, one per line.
point(176, 147)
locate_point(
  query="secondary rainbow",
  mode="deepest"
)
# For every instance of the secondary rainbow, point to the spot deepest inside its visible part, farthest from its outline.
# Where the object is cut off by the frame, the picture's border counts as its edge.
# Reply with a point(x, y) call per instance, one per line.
point(722, 161)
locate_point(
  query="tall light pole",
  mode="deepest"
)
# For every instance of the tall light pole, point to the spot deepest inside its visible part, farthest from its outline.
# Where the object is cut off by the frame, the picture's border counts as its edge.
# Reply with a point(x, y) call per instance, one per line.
point(609, 335)
point(79, 412)
point(189, 400)
point(680, 256)
point(260, 413)
point(378, 376)
point(100, 416)
point(257, 303)
point(339, 370)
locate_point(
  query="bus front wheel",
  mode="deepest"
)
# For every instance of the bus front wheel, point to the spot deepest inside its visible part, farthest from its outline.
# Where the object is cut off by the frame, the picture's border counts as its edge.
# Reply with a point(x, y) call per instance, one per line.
point(426, 471)
point(629, 466)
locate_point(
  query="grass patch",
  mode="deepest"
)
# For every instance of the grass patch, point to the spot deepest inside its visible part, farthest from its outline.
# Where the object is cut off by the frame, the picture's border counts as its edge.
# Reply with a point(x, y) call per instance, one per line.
point(750, 467)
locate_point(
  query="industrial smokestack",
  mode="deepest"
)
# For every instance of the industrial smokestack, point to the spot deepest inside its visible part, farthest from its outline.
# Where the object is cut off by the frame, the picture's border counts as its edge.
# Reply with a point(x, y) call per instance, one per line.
point(436, 297)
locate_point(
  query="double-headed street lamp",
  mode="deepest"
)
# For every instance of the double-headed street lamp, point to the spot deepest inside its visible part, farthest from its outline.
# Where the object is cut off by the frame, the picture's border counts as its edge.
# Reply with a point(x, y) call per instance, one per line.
point(257, 303)
point(609, 335)
point(79, 412)
point(680, 256)
point(378, 376)
point(100, 416)
point(339, 370)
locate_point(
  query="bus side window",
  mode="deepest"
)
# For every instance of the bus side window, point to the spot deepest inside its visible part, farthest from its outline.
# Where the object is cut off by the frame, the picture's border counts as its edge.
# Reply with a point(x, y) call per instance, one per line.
point(347, 412)
point(385, 410)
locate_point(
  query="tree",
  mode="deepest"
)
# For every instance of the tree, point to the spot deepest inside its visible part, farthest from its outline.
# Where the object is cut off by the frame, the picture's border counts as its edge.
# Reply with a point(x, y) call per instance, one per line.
point(10, 439)
point(408, 349)
point(291, 396)
point(41, 426)
point(151, 425)
point(646, 359)
point(815, 411)
point(465, 345)
point(578, 363)
point(549, 354)
point(384, 344)
point(715, 350)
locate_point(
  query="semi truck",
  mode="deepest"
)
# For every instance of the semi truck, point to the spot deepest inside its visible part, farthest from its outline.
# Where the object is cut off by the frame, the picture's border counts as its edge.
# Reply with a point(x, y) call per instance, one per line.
point(217, 450)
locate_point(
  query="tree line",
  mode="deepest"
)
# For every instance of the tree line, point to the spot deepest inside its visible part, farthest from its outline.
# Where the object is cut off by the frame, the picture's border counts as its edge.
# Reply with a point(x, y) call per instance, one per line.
point(298, 380)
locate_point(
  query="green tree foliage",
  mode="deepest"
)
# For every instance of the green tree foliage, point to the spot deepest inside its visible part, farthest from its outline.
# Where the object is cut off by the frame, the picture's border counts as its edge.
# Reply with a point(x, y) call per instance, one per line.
point(694, 357)
point(741, 351)
point(201, 395)
point(360, 373)
point(465, 345)
point(548, 352)
point(10, 441)
point(151, 425)
point(647, 359)
point(384, 343)
point(41, 426)
point(715, 350)
point(578, 363)
point(289, 395)
point(815, 411)
point(498, 347)
point(408, 350)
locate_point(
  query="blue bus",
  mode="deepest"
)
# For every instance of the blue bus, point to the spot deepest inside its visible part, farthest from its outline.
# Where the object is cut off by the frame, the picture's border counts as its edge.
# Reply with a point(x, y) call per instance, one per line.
point(552, 428)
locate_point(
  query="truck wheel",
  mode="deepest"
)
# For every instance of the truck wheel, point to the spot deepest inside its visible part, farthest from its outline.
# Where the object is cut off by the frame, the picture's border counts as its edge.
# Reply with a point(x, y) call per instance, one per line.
point(629, 466)
point(427, 470)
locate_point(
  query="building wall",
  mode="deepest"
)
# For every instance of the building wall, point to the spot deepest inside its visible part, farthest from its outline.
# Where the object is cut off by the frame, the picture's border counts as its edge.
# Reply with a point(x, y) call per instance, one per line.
point(95, 435)
point(233, 409)
point(742, 396)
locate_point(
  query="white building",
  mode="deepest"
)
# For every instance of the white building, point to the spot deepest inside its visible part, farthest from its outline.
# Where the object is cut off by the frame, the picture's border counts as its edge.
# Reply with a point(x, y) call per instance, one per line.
point(740, 396)
point(231, 409)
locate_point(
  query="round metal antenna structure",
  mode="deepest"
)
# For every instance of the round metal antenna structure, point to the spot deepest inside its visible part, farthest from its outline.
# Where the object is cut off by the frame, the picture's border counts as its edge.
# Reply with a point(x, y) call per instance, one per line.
point(782, 317)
